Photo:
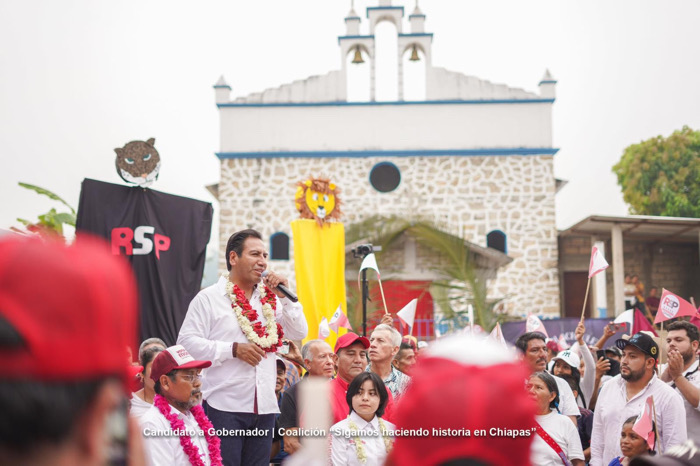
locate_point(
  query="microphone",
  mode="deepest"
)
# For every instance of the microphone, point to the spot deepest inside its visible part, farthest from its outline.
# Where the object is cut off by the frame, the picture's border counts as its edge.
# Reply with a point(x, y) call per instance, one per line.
point(284, 290)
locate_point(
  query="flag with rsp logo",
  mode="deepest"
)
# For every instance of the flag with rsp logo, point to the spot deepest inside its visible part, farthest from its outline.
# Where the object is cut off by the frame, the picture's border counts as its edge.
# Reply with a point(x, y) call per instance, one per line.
point(163, 236)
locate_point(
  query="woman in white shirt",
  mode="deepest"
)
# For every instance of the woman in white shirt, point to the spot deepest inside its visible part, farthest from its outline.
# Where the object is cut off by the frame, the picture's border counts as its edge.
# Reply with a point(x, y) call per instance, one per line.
point(556, 442)
point(363, 438)
point(142, 400)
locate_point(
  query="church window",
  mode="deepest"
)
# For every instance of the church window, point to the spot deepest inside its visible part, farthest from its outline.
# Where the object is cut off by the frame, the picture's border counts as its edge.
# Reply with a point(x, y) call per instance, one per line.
point(496, 239)
point(279, 246)
point(385, 177)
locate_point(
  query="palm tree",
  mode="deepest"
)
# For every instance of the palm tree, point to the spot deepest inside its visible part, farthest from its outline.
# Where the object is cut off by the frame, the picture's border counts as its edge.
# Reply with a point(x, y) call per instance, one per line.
point(463, 282)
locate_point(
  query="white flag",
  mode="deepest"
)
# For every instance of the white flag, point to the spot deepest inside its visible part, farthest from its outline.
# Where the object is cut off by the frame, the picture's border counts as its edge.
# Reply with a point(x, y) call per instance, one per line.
point(370, 262)
point(339, 319)
point(534, 324)
point(598, 263)
point(562, 343)
point(407, 315)
point(324, 330)
point(497, 335)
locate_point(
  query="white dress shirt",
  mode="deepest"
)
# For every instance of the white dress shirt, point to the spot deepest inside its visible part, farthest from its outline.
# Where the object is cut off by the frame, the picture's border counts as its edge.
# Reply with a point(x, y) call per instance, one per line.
point(208, 332)
point(567, 402)
point(692, 413)
point(613, 408)
point(343, 451)
point(138, 407)
point(163, 449)
point(563, 432)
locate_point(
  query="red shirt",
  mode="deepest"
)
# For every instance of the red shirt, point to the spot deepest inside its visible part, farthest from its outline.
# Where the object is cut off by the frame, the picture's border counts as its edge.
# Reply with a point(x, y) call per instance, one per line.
point(339, 390)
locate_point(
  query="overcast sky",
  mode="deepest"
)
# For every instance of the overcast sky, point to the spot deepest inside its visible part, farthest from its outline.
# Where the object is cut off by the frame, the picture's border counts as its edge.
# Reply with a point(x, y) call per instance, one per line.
point(81, 77)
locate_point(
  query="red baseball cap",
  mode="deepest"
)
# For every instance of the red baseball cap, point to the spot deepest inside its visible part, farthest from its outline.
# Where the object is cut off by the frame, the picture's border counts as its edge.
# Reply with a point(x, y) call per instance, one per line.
point(466, 383)
point(350, 338)
point(175, 357)
point(70, 310)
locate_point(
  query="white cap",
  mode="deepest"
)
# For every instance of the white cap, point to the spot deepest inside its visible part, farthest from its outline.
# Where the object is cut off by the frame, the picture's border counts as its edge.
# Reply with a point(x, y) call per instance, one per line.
point(569, 357)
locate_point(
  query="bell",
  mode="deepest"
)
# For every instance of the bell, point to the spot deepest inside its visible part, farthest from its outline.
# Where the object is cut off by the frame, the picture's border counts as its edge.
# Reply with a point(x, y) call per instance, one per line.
point(414, 54)
point(358, 56)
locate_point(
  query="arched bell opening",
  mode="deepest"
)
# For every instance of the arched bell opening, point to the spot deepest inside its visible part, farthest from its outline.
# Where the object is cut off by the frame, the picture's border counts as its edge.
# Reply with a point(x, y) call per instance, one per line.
point(357, 63)
point(386, 64)
point(413, 64)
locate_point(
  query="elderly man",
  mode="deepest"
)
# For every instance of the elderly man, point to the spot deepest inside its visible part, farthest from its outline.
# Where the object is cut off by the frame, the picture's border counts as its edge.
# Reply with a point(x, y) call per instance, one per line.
point(405, 359)
point(682, 370)
point(384, 344)
point(66, 316)
point(319, 361)
point(534, 353)
point(625, 395)
point(351, 355)
point(176, 430)
point(234, 324)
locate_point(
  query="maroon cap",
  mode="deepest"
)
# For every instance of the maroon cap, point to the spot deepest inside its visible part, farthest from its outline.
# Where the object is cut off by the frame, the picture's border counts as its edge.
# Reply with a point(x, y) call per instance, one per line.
point(437, 401)
point(175, 357)
point(350, 338)
point(69, 311)
point(553, 345)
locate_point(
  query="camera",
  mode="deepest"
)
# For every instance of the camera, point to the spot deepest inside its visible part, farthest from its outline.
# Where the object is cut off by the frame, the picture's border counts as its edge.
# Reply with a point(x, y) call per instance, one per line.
point(365, 250)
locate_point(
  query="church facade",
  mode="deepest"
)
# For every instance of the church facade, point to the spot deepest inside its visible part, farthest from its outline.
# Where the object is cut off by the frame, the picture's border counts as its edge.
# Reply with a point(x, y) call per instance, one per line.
point(474, 157)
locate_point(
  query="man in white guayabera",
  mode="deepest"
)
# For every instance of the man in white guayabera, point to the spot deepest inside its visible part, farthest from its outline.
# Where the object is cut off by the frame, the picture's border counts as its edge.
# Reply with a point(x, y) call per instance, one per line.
point(234, 324)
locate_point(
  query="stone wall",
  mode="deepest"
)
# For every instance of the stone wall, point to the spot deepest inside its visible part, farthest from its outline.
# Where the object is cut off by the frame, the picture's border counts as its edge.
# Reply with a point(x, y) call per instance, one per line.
point(467, 196)
point(673, 266)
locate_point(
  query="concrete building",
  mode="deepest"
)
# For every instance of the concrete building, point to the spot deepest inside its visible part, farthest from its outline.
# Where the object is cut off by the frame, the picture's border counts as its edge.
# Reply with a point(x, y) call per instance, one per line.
point(474, 156)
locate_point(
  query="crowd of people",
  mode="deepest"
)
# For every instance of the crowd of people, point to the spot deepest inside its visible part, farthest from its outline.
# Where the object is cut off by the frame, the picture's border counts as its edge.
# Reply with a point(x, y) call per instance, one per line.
point(224, 394)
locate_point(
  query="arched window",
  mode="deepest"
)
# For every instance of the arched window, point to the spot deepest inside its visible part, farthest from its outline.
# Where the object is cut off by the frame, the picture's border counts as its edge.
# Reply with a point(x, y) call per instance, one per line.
point(279, 246)
point(497, 239)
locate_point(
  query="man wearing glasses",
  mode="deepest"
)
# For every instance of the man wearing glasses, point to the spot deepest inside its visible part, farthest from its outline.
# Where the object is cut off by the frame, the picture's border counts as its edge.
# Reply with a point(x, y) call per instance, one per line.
point(175, 428)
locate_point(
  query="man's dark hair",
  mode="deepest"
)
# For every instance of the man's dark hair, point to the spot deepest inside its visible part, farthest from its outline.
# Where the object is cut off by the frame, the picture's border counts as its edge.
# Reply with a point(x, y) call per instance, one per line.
point(235, 243)
point(690, 329)
point(551, 384)
point(356, 384)
point(171, 375)
point(523, 340)
point(404, 346)
point(36, 413)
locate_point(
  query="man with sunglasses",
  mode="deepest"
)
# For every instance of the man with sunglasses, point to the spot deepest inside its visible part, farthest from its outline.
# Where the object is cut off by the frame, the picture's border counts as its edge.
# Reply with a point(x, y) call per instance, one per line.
point(175, 428)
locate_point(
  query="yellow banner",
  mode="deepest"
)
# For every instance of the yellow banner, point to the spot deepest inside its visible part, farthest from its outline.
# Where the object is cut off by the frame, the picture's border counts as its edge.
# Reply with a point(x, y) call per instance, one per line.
point(319, 265)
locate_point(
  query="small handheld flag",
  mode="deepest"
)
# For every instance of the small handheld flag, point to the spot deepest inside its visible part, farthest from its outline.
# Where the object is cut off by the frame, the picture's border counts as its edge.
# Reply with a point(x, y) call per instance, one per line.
point(339, 319)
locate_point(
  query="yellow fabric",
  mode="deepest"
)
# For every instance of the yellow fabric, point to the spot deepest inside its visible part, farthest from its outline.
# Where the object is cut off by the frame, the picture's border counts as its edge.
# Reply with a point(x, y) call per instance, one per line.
point(319, 265)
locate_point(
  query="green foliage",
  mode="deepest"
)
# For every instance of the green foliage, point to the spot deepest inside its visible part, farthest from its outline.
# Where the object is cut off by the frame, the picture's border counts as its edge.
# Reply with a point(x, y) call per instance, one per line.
point(461, 285)
point(661, 176)
point(50, 223)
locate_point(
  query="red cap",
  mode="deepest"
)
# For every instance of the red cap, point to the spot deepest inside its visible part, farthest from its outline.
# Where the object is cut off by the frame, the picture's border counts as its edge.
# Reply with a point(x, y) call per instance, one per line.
point(465, 383)
point(175, 357)
point(350, 338)
point(72, 310)
point(553, 345)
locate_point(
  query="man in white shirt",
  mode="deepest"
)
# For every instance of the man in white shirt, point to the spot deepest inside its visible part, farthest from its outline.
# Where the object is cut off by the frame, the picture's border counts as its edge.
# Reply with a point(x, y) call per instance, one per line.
point(533, 348)
point(682, 370)
point(177, 377)
point(239, 388)
point(624, 396)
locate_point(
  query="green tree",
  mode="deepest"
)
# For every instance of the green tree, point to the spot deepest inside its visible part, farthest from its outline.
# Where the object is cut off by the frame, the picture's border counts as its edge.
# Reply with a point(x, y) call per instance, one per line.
point(51, 223)
point(661, 176)
point(462, 283)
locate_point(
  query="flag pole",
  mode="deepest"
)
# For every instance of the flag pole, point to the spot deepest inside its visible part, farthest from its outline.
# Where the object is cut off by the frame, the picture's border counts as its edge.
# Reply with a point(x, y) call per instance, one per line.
point(656, 426)
point(585, 299)
point(386, 311)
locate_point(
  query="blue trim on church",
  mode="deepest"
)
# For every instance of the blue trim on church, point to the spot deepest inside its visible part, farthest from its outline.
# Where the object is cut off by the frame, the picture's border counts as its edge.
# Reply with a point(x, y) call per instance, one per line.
point(391, 153)
point(417, 34)
point(549, 81)
point(384, 8)
point(354, 37)
point(398, 102)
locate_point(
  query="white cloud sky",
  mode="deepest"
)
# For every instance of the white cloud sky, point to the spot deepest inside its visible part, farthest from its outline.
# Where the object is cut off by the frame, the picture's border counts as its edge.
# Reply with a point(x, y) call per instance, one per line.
point(80, 77)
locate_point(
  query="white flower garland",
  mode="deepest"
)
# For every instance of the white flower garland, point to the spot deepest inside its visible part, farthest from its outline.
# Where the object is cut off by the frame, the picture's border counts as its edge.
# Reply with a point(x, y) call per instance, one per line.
point(267, 310)
point(360, 445)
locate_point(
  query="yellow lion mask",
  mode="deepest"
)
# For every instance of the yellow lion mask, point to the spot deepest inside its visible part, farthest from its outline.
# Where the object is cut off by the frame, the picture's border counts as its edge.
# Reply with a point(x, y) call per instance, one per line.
point(317, 198)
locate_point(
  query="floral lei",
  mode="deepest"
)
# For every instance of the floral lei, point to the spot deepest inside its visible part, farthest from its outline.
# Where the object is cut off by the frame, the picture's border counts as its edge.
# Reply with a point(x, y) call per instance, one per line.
point(269, 337)
point(359, 443)
point(205, 426)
